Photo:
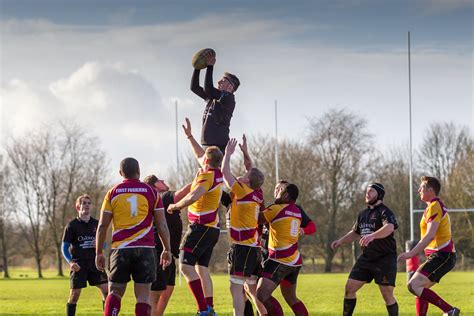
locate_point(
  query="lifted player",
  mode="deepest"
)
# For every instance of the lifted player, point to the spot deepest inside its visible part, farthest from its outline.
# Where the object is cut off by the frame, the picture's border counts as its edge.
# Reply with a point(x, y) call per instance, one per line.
point(220, 104)
point(436, 241)
point(131, 207)
point(374, 226)
point(78, 249)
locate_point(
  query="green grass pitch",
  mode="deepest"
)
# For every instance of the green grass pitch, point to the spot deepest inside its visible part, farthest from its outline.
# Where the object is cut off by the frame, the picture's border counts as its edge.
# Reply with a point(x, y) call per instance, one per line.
point(322, 294)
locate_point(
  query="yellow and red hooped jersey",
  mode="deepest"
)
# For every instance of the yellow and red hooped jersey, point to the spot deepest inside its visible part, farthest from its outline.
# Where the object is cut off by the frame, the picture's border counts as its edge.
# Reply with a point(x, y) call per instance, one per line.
point(246, 204)
point(443, 241)
point(284, 230)
point(131, 204)
point(204, 210)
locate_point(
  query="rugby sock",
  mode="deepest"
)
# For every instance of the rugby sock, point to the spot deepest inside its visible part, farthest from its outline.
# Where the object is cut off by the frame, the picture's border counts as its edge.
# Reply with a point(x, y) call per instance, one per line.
point(142, 309)
point(248, 311)
point(434, 299)
point(112, 305)
point(70, 309)
point(273, 307)
point(210, 301)
point(196, 289)
point(299, 309)
point(421, 307)
point(392, 309)
point(349, 305)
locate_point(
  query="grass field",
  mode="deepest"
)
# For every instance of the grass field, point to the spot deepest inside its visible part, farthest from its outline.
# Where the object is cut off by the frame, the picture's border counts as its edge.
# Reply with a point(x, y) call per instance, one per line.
point(322, 294)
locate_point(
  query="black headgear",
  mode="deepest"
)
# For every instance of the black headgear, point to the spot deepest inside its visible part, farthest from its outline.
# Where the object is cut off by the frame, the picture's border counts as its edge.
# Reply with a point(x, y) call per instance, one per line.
point(379, 188)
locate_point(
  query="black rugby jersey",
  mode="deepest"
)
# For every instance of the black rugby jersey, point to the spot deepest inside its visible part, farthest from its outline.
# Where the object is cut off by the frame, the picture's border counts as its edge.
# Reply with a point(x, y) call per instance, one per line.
point(371, 220)
point(174, 223)
point(81, 236)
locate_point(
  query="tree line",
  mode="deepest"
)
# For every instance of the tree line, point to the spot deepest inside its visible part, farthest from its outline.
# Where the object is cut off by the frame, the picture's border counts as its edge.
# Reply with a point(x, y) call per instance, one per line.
point(331, 164)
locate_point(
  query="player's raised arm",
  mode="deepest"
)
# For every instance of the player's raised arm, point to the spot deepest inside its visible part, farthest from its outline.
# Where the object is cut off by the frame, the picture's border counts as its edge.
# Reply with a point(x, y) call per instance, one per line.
point(229, 179)
point(209, 88)
point(195, 87)
point(197, 149)
point(247, 160)
point(189, 199)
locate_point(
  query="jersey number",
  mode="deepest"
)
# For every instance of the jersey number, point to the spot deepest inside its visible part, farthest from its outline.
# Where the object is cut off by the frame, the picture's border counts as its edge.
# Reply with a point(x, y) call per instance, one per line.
point(295, 225)
point(133, 205)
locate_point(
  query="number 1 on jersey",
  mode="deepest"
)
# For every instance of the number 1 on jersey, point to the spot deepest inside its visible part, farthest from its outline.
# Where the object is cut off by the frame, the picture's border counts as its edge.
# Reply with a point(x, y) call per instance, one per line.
point(133, 205)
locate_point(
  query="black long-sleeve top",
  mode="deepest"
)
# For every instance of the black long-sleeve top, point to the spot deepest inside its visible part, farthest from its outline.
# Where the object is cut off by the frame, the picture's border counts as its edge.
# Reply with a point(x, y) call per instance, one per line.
point(218, 112)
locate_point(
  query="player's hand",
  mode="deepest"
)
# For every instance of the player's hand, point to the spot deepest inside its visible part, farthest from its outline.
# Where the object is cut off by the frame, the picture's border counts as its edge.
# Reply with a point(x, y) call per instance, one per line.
point(243, 146)
point(74, 266)
point(405, 256)
point(100, 262)
point(366, 240)
point(336, 244)
point(172, 208)
point(187, 128)
point(165, 258)
point(230, 148)
point(211, 59)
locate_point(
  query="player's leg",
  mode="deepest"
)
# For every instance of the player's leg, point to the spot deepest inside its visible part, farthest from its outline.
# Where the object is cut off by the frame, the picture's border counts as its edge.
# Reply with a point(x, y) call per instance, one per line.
point(113, 302)
point(265, 289)
point(206, 283)
point(72, 301)
point(104, 291)
point(251, 289)
point(192, 278)
point(166, 294)
point(360, 274)
point(211, 236)
point(144, 273)
point(157, 288)
point(164, 299)
point(154, 299)
point(142, 293)
point(78, 281)
point(385, 275)
point(288, 290)
point(99, 279)
point(238, 295)
point(429, 273)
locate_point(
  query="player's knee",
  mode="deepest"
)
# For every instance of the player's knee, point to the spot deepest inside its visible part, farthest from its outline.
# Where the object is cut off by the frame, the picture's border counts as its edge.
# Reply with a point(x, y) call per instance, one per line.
point(74, 295)
point(411, 285)
point(262, 296)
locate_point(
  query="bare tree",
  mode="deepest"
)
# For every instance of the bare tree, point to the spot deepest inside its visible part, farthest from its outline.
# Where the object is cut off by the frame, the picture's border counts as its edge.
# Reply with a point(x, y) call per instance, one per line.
point(444, 145)
point(61, 162)
point(341, 142)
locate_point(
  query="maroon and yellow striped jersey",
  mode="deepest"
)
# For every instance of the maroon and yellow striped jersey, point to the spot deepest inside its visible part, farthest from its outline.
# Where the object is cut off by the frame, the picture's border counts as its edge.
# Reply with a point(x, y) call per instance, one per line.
point(204, 210)
point(437, 212)
point(131, 204)
point(284, 221)
point(246, 203)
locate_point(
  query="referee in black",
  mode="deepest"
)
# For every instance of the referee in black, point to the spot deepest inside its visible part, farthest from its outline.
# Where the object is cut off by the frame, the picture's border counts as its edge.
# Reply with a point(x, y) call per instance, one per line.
point(374, 227)
point(78, 248)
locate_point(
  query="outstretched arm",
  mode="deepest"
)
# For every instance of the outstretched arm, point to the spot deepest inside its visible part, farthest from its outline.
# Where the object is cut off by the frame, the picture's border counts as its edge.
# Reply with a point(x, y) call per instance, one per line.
point(197, 149)
point(195, 87)
point(208, 82)
point(347, 238)
point(229, 150)
point(247, 160)
point(189, 199)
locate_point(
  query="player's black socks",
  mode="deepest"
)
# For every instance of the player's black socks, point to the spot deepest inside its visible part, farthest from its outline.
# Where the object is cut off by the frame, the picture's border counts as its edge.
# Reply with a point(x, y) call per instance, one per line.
point(248, 311)
point(349, 305)
point(71, 309)
point(392, 309)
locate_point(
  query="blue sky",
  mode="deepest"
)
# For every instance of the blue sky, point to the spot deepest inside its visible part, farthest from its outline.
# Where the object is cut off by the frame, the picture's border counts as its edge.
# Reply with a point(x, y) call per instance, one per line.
point(118, 66)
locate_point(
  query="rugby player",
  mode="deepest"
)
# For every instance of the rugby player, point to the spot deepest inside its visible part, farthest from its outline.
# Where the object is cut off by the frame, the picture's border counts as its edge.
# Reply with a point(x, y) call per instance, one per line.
point(162, 288)
point(78, 248)
point(437, 243)
point(244, 256)
point(284, 260)
point(131, 207)
point(203, 230)
point(307, 227)
point(220, 104)
point(374, 226)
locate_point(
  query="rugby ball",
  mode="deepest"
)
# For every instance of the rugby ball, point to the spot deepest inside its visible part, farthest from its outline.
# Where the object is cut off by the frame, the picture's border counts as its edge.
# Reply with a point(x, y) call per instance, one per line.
point(199, 60)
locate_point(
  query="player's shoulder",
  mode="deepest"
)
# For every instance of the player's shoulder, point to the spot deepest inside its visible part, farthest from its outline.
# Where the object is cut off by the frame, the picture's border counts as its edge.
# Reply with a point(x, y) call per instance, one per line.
point(435, 206)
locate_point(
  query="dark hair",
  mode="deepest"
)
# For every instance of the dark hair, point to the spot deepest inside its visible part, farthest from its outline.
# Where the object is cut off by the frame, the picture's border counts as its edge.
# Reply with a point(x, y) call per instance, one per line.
point(292, 191)
point(129, 167)
point(256, 178)
point(234, 81)
point(82, 197)
point(150, 180)
point(432, 182)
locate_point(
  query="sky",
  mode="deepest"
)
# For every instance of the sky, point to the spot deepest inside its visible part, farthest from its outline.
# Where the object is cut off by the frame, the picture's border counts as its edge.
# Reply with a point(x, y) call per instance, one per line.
point(118, 67)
